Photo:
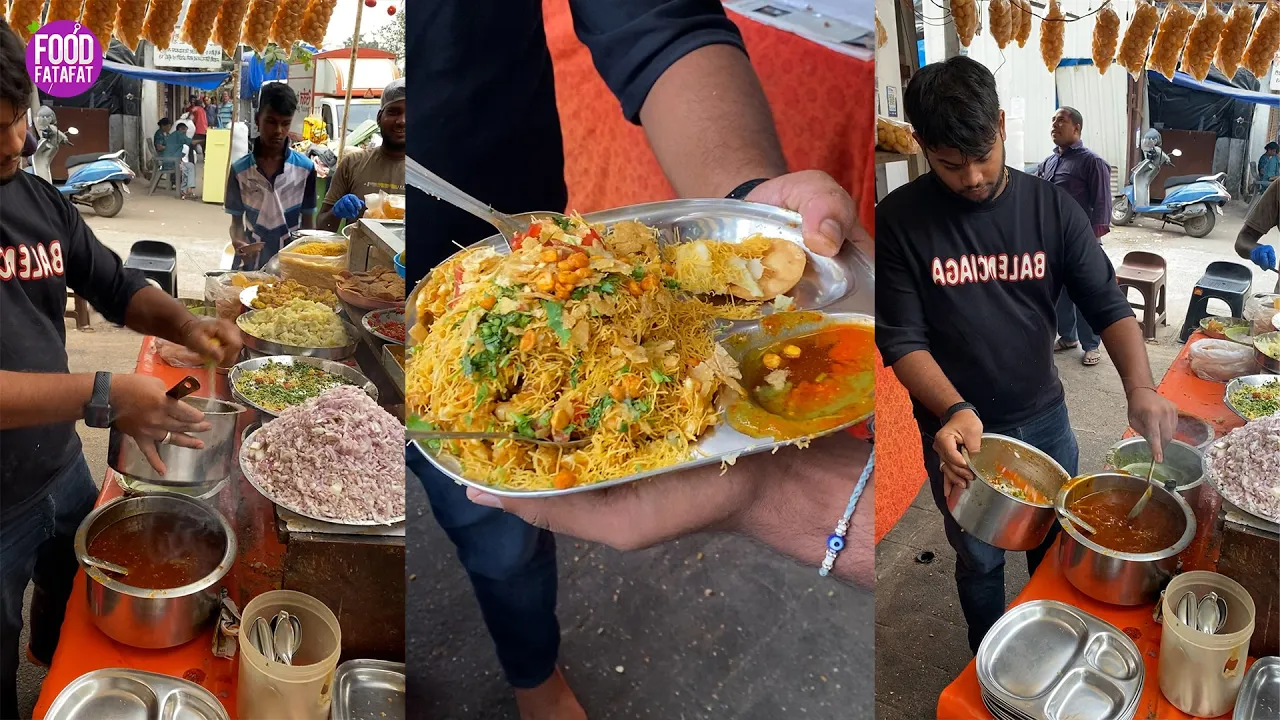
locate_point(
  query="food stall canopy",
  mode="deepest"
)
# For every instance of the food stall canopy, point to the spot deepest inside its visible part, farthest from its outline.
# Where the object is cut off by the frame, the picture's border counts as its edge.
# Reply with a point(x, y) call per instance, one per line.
point(1182, 79)
point(199, 80)
point(254, 72)
point(1218, 105)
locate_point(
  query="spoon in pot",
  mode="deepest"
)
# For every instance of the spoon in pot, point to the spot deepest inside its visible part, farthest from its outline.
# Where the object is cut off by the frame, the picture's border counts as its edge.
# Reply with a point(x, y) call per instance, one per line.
point(104, 565)
point(1146, 496)
point(1078, 522)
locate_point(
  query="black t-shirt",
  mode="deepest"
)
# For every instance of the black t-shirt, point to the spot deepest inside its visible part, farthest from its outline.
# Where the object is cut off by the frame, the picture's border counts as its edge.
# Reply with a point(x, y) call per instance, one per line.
point(45, 248)
point(483, 109)
point(976, 286)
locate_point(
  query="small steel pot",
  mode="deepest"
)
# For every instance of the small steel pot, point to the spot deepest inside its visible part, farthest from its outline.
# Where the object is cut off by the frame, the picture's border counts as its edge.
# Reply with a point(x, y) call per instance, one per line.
point(184, 466)
point(1185, 462)
point(1111, 576)
point(146, 618)
point(1000, 520)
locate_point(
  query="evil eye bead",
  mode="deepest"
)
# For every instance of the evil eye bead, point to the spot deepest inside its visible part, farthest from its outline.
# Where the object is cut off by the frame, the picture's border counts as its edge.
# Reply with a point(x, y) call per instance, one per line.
point(835, 543)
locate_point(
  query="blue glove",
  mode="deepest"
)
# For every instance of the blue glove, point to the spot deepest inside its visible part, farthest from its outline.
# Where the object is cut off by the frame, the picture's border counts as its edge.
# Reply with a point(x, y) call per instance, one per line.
point(1264, 256)
point(348, 207)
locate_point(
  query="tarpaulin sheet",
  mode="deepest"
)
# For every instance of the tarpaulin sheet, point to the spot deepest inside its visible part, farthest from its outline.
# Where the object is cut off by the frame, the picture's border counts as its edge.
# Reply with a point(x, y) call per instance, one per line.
point(113, 91)
point(1182, 79)
point(1215, 106)
point(254, 72)
point(198, 80)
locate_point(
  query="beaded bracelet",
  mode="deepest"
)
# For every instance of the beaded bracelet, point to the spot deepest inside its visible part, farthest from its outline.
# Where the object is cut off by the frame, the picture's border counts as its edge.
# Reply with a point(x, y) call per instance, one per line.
point(835, 542)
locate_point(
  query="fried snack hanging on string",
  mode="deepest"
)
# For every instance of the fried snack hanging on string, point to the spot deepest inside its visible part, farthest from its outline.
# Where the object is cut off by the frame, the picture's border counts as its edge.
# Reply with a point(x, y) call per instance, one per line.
point(1235, 36)
point(894, 136)
point(1106, 34)
point(198, 27)
point(1024, 27)
point(99, 17)
point(1137, 38)
point(964, 15)
point(22, 13)
point(1052, 31)
point(1170, 39)
point(63, 10)
point(162, 20)
point(1000, 21)
point(1197, 56)
point(226, 33)
point(130, 15)
point(257, 23)
point(284, 31)
point(315, 23)
point(1264, 42)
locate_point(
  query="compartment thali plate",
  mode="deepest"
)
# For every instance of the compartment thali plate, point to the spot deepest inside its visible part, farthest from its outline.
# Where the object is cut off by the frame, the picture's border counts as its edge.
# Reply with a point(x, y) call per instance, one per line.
point(843, 287)
point(369, 689)
point(125, 694)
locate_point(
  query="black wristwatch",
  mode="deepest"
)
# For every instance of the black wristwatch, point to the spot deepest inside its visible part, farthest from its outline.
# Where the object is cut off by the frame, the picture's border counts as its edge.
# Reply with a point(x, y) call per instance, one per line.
point(97, 414)
point(951, 411)
point(742, 191)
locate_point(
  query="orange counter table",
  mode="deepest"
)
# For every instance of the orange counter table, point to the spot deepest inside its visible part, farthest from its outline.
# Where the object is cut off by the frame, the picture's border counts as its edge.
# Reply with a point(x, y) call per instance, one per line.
point(962, 699)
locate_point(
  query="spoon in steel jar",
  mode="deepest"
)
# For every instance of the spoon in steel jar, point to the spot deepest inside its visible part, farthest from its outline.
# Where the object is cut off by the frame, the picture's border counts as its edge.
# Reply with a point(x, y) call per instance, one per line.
point(1211, 614)
point(287, 636)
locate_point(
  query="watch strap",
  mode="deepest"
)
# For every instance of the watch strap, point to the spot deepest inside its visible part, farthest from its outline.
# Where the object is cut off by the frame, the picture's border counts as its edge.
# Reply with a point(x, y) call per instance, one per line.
point(97, 413)
point(951, 411)
point(742, 191)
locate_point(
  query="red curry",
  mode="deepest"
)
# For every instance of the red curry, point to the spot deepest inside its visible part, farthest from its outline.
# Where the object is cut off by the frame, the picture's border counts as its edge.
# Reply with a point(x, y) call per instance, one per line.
point(1157, 527)
point(160, 550)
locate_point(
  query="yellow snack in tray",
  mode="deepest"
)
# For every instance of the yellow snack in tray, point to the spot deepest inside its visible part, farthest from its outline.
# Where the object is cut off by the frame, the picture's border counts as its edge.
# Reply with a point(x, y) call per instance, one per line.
point(322, 248)
point(300, 323)
point(285, 291)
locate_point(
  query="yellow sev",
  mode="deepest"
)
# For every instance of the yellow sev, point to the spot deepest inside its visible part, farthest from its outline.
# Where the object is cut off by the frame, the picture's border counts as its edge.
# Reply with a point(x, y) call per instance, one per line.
point(633, 369)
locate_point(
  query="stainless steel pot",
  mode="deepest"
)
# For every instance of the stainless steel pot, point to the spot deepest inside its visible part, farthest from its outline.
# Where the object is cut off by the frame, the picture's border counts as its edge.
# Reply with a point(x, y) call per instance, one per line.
point(998, 519)
point(1111, 576)
point(1184, 462)
point(184, 466)
point(146, 618)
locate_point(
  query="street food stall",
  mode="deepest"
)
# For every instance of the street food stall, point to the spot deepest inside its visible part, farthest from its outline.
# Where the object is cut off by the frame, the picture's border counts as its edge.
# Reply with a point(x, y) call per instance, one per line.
point(1183, 626)
point(263, 576)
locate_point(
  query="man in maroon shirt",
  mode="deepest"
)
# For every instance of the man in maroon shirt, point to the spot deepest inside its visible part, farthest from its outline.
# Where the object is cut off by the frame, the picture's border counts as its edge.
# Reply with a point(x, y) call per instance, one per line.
point(1087, 178)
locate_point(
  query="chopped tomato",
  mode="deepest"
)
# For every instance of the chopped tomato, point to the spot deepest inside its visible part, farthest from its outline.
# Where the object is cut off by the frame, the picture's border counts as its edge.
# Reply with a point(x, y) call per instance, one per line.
point(457, 281)
point(517, 240)
point(591, 238)
point(535, 230)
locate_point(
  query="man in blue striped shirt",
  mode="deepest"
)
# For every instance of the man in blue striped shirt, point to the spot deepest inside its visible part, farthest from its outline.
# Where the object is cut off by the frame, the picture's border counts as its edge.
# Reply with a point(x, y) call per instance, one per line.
point(271, 191)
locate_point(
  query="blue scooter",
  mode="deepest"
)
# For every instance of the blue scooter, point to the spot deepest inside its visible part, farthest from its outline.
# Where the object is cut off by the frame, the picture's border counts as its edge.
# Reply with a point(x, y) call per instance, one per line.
point(93, 179)
point(1191, 201)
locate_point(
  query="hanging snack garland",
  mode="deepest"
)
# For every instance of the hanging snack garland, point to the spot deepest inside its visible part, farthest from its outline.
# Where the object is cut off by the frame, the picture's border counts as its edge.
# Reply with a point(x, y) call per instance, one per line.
point(162, 17)
point(226, 33)
point(198, 27)
point(63, 10)
point(1235, 36)
point(1264, 42)
point(1000, 19)
point(257, 23)
point(130, 15)
point(1170, 39)
point(315, 21)
point(1052, 33)
point(894, 136)
point(1137, 38)
point(1198, 55)
point(1022, 9)
point(1106, 35)
point(284, 31)
point(964, 14)
point(23, 13)
point(99, 16)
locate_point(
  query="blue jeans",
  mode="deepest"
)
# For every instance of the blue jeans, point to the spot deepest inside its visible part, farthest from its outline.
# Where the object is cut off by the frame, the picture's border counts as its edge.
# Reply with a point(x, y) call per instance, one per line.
point(39, 544)
point(1071, 321)
point(512, 566)
point(979, 566)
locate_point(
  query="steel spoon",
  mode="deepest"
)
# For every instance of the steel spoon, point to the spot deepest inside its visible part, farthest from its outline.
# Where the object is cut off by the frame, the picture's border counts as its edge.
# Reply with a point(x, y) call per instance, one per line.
point(435, 435)
point(1211, 614)
point(1079, 523)
point(104, 565)
point(287, 632)
point(260, 638)
point(1185, 607)
point(1146, 496)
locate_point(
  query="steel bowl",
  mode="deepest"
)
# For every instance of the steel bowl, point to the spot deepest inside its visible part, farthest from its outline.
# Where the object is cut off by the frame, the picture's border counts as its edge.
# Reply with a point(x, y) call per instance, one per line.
point(1269, 363)
point(346, 372)
point(1111, 576)
point(1237, 383)
point(184, 466)
point(146, 618)
point(998, 519)
point(261, 347)
point(1227, 322)
point(1184, 462)
point(1195, 432)
point(368, 319)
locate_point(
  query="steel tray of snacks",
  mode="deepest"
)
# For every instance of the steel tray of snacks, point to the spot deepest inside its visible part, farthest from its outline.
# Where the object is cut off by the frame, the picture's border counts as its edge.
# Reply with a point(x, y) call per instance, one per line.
point(266, 347)
point(369, 320)
point(1242, 381)
point(346, 372)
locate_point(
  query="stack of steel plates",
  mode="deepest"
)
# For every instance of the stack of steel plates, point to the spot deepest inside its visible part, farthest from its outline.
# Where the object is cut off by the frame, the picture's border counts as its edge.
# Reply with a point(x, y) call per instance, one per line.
point(1047, 660)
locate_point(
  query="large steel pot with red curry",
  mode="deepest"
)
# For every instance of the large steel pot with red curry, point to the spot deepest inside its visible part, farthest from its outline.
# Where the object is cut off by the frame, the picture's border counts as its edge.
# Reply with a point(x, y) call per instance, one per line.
point(1124, 563)
point(177, 550)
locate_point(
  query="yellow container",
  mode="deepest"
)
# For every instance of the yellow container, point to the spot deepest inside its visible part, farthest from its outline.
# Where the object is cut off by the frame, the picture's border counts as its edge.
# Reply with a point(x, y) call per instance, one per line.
point(270, 690)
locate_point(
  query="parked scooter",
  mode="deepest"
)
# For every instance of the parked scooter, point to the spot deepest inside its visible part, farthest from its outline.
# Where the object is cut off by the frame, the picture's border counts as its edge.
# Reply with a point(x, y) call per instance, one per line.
point(93, 179)
point(1191, 201)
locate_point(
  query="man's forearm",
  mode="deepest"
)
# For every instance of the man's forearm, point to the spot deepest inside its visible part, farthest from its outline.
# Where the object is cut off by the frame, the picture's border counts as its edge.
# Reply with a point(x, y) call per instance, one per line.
point(28, 399)
point(1128, 351)
point(328, 221)
point(153, 312)
point(709, 124)
point(1246, 241)
point(920, 375)
point(309, 220)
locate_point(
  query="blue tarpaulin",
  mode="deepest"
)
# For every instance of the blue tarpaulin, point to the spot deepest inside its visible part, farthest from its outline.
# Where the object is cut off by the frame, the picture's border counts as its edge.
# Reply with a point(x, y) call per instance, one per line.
point(254, 72)
point(199, 80)
point(1182, 79)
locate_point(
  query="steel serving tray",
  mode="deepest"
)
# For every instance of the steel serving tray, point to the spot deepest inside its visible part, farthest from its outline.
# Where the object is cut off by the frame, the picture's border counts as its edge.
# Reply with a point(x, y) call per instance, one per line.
point(843, 287)
point(392, 314)
point(1271, 525)
point(267, 347)
point(1259, 697)
point(1237, 383)
point(247, 471)
point(1047, 659)
point(346, 372)
point(369, 690)
point(125, 694)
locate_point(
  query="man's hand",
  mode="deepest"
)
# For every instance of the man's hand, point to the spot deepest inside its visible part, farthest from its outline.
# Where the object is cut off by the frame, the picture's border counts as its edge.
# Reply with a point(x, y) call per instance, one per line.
point(829, 217)
point(1154, 417)
point(348, 207)
point(964, 428)
point(218, 340)
point(144, 412)
point(1264, 256)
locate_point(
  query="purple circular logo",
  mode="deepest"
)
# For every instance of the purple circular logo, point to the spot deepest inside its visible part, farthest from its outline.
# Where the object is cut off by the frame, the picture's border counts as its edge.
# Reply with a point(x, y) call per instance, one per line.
point(64, 58)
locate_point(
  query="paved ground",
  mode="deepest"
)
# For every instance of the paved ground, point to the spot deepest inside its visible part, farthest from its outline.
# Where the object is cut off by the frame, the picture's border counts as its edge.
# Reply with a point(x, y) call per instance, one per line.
point(920, 633)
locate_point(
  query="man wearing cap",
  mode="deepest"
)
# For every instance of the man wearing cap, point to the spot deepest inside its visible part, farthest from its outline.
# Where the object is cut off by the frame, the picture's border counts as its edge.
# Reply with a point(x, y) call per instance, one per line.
point(364, 173)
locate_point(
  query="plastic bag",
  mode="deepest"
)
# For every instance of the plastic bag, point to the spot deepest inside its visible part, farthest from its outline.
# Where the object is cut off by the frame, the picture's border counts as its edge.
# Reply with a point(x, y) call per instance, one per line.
point(1222, 360)
point(222, 291)
point(1259, 311)
point(895, 136)
point(381, 206)
point(316, 270)
point(178, 356)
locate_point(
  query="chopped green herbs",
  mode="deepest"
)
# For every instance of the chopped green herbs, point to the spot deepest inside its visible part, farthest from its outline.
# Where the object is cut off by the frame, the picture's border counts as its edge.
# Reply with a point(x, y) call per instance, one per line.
point(276, 386)
point(596, 413)
point(555, 318)
point(493, 334)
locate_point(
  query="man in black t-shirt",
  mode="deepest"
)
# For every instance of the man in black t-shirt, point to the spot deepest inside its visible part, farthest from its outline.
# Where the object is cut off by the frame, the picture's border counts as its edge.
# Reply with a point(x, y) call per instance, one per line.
point(485, 118)
point(45, 485)
point(971, 260)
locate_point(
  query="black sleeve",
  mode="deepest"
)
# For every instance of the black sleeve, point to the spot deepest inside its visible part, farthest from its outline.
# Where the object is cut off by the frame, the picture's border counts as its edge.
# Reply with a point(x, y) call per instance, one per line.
point(94, 272)
point(633, 42)
point(1086, 270)
point(900, 324)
